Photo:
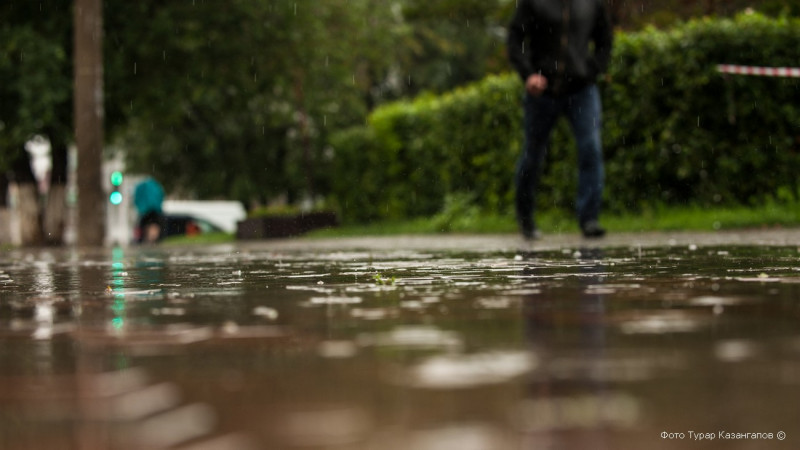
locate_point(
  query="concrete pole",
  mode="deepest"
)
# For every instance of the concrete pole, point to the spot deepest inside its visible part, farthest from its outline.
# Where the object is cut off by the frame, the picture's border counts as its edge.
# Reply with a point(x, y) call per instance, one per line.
point(89, 120)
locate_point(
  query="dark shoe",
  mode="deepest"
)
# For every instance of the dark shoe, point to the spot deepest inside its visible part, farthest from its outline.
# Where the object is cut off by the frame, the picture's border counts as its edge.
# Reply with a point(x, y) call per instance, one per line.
point(528, 229)
point(592, 229)
point(531, 234)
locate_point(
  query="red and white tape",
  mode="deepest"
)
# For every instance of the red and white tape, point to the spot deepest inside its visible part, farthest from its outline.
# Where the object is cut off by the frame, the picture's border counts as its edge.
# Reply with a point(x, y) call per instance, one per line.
point(760, 71)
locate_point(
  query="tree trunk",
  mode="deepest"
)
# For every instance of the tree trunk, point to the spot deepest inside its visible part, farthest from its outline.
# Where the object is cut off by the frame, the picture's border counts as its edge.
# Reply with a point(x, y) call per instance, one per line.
point(55, 210)
point(55, 214)
point(3, 189)
point(89, 120)
point(27, 208)
point(28, 214)
point(5, 216)
point(305, 141)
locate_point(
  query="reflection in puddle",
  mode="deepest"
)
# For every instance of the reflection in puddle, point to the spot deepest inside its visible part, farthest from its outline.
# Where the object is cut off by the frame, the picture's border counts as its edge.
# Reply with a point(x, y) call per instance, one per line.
point(338, 349)
point(736, 350)
point(465, 371)
point(324, 426)
point(253, 348)
point(613, 368)
point(609, 410)
point(414, 337)
point(714, 301)
point(661, 323)
point(335, 300)
point(460, 436)
point(176, 426)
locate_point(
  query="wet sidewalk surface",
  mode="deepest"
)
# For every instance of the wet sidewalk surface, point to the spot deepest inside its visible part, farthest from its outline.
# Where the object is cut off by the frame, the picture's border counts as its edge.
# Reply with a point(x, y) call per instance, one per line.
point(663, 340)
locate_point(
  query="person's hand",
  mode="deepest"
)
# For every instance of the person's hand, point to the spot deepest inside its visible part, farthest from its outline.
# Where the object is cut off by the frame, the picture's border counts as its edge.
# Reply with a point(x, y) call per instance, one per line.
point(536, 84)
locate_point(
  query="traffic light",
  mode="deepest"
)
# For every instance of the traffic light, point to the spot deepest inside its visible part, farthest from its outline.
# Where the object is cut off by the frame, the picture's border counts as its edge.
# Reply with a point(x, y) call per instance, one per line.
point(116, 192)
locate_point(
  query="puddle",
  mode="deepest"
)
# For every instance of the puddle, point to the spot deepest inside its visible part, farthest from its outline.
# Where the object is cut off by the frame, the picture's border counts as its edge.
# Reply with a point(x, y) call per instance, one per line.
point(398, 349)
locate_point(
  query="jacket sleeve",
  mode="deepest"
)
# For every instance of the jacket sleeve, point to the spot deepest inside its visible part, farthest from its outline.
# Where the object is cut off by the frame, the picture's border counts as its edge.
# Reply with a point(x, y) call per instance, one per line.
point(603, 37)
point(516, 42)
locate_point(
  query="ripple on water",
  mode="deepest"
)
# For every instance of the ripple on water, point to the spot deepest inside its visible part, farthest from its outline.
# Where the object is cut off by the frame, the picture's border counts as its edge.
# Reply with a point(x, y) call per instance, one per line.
point(458, 371)
point(662, 322)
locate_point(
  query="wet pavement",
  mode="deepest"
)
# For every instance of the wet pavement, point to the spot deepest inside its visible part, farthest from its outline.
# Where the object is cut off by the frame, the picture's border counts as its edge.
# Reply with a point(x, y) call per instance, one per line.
point(658, 341)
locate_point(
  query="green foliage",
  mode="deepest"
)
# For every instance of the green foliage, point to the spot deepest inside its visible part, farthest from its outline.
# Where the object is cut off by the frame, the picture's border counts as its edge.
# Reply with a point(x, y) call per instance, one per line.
point(200, 239)
point(452, 42)
point(249, 89)
point(413, 153)
point(214, 85)
point(772, 214)
point(35, 74)
point(273, 211)
point(675, 132)
point(459, 212)
point(381, 281)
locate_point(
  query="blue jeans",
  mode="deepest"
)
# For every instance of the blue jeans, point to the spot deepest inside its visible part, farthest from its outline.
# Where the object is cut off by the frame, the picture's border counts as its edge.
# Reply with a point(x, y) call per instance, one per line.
point(583, 110)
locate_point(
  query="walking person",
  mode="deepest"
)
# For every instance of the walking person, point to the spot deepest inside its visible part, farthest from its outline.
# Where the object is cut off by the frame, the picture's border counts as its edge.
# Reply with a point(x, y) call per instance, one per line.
point(559, 48)
point(148, 197)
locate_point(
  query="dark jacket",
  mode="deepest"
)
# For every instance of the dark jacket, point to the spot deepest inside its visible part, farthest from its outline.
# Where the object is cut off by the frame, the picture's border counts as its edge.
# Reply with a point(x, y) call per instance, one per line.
point(552, 37)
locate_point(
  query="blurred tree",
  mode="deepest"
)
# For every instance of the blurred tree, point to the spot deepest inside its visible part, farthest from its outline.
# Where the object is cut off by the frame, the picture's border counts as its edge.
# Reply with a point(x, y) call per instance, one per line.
point(248, 88)
point(634, 14)
point(237, 98)
point(453, 42)
point(36, 99)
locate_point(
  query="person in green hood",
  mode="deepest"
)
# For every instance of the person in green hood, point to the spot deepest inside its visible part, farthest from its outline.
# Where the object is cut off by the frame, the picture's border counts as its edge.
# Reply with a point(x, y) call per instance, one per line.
point(148, 197)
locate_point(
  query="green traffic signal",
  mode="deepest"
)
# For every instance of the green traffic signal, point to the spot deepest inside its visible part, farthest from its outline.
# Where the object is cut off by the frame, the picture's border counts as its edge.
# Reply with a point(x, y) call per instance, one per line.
point(116, 178)
point(115, 198)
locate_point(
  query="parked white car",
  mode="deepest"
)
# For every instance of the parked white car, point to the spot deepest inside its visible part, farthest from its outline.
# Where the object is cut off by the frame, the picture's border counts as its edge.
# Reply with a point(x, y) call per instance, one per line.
point(222, 214)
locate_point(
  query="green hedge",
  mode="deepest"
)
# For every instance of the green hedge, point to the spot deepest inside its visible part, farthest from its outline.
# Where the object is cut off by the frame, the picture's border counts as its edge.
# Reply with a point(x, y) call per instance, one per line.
point(675, 131)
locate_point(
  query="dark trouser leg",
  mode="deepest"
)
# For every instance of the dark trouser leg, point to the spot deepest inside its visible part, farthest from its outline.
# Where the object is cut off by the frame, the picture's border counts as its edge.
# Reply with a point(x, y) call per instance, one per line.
point(585, 115)
point(540, 116)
